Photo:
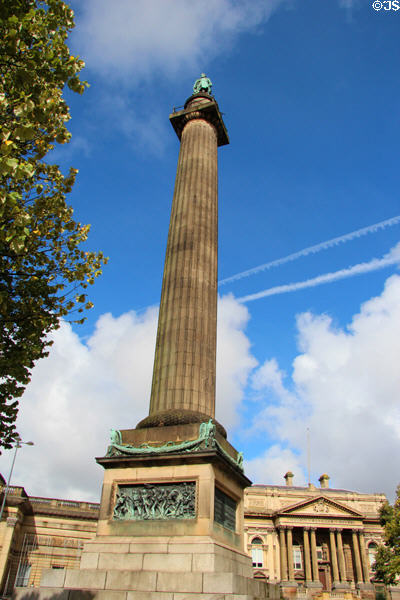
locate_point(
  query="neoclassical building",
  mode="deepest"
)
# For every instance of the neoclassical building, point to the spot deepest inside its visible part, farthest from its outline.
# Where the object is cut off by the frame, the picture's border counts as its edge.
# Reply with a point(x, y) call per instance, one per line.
point(313, 538)
point(307, 540)
point(38, 533)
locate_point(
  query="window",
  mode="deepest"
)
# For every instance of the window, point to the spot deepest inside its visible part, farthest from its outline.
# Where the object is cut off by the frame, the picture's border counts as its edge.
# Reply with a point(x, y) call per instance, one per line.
point(372, 547)
point(320, 554)
point(297, 560)
point(257, 552)
point(22, 579)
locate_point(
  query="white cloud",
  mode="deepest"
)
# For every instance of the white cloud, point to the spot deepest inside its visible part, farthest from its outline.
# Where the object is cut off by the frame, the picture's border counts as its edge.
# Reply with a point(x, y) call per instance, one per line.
point(234, 359)
point(82, 391)
point(141, 123)
point(345, 386)
point(76, 395)
point(160, 38)
point(135, 46)
point(272, 466)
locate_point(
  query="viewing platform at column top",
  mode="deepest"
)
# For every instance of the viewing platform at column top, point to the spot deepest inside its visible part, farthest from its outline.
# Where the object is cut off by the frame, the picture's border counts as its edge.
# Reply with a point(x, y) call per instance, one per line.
point(202, 105)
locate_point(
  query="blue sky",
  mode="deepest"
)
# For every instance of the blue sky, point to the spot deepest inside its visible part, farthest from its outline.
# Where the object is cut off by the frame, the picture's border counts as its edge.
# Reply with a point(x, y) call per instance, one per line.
point(309, 91)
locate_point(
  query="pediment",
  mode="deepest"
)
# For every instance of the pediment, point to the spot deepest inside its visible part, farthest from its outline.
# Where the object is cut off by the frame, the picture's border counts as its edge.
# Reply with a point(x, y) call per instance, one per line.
point(319, 507)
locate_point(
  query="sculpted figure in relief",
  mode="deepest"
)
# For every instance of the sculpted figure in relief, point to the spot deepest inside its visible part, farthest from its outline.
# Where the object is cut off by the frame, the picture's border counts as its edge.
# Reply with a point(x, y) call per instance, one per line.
point(169, 501)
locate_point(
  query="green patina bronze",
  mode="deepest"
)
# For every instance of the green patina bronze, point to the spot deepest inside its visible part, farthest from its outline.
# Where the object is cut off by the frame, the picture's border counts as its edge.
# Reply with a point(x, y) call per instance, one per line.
point(202, 84)
point(115, 436)
point(156, 501)
point(206, 440)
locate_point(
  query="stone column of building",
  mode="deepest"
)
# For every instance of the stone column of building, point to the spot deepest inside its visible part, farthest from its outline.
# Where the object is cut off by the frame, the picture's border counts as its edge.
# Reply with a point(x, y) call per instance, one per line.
point(314, 559)
point(364, 559)
point(283, 554)
point(8, 528)
point(334, 564)
point(342, 564)
point(289, 533)
point(183, 387)
point(307, 562)
point(356, 550)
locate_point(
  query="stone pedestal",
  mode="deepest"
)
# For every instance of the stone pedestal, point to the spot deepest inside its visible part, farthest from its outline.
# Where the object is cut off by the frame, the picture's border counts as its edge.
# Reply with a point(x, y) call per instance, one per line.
point(151, 542)
point(167, 568)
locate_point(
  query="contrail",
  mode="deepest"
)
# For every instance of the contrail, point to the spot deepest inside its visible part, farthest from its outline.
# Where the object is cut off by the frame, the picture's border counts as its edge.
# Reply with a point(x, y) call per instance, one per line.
point(314, 249)
point(391, 258)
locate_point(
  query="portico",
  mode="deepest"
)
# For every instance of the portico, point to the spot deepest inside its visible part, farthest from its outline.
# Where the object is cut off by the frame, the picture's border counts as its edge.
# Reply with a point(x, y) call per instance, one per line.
point(327, 557)
point(312, 540)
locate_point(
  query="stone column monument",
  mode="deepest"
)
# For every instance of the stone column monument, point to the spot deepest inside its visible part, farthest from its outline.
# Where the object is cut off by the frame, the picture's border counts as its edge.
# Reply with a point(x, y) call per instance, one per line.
point(171, 512)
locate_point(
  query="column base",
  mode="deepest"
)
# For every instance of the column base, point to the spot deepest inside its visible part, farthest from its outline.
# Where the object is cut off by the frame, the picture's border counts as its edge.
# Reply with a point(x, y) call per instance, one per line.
point(288, 590)
point(314, 584)
point(365, 586)
point(340, 585)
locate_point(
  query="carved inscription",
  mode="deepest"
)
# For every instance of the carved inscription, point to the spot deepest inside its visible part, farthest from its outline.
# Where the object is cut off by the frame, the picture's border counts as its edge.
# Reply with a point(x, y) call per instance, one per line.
point(155, 501)
point(320, 521)
point(256, 502)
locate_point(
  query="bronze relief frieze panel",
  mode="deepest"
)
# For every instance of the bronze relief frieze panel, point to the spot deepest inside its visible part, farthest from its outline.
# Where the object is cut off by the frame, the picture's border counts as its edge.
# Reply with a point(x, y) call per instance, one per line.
point(155, 501)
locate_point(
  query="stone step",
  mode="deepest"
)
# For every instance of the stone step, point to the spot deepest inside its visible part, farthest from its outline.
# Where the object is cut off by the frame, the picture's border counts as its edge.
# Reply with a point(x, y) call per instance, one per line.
point(185, 562)
point(153, 581)
point(114, 584)
point(57, 594)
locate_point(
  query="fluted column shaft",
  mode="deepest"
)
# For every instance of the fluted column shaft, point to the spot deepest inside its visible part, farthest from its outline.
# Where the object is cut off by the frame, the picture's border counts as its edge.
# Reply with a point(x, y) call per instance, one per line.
point(356, 551)
point(335, 571)
point(307, 563)
point(290, 554)
point(185, 357)
point(364, 559)
point(283, 555)
point(342, 566)
point(314, 559)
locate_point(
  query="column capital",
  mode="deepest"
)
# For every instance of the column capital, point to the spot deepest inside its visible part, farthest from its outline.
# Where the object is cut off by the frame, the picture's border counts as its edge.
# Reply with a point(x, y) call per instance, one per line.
point(203, 107)
point(313, 528)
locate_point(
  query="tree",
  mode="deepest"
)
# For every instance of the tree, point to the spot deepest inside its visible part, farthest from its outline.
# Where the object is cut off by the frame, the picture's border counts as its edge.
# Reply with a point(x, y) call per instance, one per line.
point(387, 565)
point(44, 271)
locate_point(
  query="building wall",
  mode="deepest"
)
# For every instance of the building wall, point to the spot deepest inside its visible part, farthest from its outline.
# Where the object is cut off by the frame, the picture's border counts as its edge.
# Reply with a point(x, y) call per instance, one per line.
point(38, 533)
